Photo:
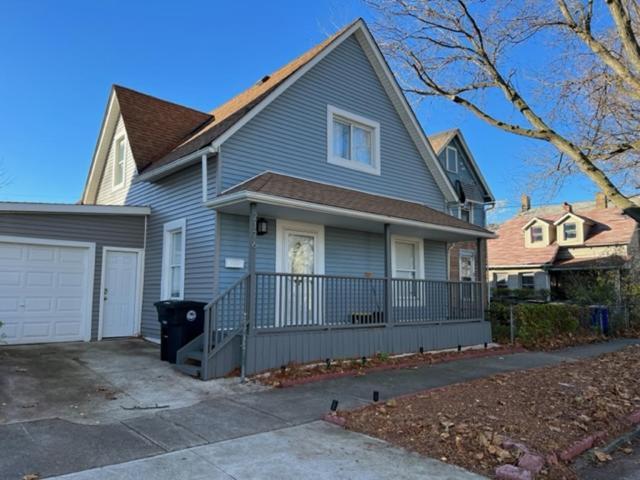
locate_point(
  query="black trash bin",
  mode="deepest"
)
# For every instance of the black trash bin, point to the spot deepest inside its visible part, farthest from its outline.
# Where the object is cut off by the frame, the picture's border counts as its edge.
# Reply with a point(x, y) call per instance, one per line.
point(180, 322)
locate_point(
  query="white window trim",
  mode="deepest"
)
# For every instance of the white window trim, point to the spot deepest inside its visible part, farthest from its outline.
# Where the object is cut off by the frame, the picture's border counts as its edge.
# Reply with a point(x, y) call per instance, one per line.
point(531, 235)
point(303, 228)
point(415, 240)
point(117, 186)
point(467, 253)
point(333, 112)
point(470, 209)
point(575, 231)
point(169, 228)
point(455, 151)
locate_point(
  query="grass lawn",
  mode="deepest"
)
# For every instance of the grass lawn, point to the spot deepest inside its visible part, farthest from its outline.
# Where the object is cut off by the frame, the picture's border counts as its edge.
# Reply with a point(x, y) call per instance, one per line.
point(546, 409)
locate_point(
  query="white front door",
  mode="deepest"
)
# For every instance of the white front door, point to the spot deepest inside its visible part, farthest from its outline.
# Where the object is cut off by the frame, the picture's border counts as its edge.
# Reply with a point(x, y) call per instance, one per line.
point(300, 253)
point(120, 293)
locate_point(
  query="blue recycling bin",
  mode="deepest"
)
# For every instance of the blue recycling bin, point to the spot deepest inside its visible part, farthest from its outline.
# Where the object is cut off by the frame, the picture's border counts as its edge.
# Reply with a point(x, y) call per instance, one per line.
point(600, 318)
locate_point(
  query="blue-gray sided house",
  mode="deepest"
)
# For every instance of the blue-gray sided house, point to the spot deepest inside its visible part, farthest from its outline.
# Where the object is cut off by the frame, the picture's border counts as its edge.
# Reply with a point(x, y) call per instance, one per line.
point(310, 212)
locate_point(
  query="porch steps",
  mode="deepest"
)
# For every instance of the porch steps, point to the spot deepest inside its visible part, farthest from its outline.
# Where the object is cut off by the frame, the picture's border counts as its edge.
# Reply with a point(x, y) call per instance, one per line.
point(189, 369)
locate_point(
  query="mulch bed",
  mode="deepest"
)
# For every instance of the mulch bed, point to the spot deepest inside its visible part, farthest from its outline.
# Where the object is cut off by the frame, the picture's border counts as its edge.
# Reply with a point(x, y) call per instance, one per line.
point(297, 374)
point(547, 409)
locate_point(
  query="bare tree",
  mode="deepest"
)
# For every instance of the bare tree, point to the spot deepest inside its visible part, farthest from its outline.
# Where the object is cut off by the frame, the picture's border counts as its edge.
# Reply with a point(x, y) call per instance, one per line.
point(579, 93)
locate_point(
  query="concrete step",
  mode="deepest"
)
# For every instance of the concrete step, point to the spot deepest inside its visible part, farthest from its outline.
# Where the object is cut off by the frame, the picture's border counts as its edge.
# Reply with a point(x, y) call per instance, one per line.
point(191, 370)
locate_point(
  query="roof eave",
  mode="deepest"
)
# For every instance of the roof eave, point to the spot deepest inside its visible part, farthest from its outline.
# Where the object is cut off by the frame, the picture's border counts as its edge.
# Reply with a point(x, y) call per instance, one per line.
point(258, 197)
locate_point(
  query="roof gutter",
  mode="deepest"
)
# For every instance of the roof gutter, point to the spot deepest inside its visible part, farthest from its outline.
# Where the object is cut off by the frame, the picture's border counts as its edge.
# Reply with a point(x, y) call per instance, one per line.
point(182, 162)
point(75, 208)
point(248, 196)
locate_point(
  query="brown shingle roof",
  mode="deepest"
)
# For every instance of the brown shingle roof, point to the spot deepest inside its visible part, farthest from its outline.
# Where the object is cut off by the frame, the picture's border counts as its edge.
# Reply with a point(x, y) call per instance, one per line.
point(314, 192)
point(191, 135)
point(155, 126)
point(610, 227)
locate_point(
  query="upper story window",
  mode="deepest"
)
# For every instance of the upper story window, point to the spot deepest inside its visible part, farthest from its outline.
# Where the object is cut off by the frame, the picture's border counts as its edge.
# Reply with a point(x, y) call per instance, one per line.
point(452, 160)
point(537, 234)
point(465, 214)
point(353, 141)
point(119, 162)
point(569, 231)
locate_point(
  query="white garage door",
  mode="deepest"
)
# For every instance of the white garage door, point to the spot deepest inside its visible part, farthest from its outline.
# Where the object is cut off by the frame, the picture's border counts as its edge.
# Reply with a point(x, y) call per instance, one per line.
point(45, 292)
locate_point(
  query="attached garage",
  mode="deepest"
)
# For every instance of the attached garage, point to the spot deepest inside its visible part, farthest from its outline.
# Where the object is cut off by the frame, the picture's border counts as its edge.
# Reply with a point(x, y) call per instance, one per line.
point(52, 280)
point(46, 290)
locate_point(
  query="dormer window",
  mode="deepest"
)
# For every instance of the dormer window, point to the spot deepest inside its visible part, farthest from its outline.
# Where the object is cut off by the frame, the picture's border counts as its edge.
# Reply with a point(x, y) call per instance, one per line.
point(119, 163)
point(465, 213)
point(569, 231)
point(452, 160)
point(537, 235)
point(353, 141)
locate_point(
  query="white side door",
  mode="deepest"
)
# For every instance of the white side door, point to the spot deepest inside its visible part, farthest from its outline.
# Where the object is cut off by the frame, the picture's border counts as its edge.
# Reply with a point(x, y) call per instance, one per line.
point(120, 292)
point(300, 254)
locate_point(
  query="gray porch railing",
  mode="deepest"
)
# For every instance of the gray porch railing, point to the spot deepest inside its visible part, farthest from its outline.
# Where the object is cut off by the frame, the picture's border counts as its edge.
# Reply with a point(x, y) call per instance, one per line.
point(283, 302)
point(223, 317)
point(293, 300)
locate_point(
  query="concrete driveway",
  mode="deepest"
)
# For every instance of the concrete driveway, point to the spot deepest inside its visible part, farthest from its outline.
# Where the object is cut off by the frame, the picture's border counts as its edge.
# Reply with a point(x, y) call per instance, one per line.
point(97, 382)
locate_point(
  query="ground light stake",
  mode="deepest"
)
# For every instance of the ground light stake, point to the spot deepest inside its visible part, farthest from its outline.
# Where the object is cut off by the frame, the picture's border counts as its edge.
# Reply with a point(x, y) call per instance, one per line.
point(334, 405)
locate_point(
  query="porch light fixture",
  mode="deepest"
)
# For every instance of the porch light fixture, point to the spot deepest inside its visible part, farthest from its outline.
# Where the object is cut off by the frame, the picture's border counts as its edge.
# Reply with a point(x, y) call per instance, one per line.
point(261, 226)
point(334, 405)
point(376, 396)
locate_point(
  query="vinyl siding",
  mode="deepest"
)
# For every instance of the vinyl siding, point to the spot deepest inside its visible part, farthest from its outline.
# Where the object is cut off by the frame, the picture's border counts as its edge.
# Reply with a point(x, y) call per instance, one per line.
point(106, 195)
point(347, 252)
point(290, 135)
point(171, 198)
point(103, 230)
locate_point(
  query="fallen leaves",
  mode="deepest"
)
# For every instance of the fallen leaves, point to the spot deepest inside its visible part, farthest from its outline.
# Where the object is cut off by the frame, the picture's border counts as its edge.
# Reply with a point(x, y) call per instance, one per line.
point(494, 421)
point(601, 456)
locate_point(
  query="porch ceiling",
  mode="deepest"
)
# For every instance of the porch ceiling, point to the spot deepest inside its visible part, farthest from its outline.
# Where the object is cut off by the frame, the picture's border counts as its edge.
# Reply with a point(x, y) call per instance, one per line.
point(280, 196)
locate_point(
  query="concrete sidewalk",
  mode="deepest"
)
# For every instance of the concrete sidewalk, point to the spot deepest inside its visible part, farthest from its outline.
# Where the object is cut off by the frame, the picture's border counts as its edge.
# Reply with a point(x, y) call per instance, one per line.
point(54, 447)
point(315, 450)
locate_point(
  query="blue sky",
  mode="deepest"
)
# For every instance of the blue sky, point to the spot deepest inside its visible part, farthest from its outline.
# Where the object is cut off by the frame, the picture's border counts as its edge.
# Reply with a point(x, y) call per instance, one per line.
point(59, 59)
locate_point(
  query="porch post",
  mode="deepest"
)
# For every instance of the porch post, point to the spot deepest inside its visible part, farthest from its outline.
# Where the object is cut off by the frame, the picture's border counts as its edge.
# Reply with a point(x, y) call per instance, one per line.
point(388, 290)
point(482, 275)
point(253, 235)
point(251, 287)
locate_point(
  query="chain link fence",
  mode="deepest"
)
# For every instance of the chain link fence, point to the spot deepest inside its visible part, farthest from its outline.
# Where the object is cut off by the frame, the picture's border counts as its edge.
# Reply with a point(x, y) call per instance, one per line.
point(526, 320)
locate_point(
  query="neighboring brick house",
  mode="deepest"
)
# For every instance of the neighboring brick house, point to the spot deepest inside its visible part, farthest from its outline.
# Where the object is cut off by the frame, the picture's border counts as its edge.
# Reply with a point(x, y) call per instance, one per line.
point(540, 247)
point(464, 264)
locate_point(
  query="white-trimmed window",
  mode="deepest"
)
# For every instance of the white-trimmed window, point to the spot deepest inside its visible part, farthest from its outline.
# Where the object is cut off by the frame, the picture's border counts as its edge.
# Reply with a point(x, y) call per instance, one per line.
point(119, 162)
point(527, 281)
point(353, 141)
point(452, 159)
point(465, 213)
point(407, 257)
point(173, 254)
point(570, 231)
point(467, 266)
point(537, 235)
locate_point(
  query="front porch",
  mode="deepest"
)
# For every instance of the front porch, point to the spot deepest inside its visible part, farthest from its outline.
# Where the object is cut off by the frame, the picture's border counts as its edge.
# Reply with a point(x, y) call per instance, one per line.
point(334, 283)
